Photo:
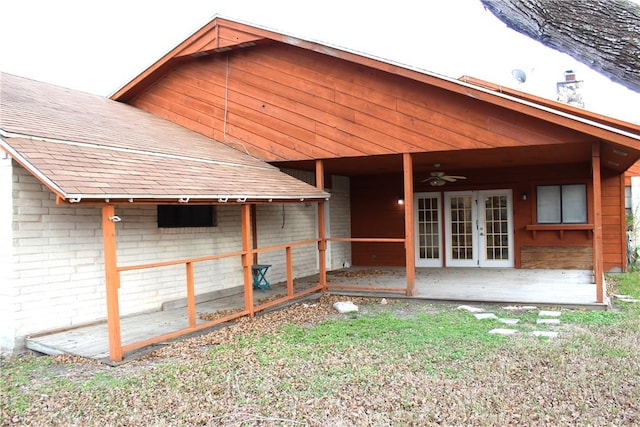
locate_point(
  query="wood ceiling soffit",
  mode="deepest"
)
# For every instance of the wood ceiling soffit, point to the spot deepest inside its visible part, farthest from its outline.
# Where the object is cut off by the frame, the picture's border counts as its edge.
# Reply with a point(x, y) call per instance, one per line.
point(617, 157)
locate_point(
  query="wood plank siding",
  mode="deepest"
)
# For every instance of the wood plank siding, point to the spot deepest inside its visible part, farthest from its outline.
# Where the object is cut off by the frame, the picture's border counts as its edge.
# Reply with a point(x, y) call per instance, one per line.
point(613, 221)
point(375, 213)
point(290, 105)
point(285, 103)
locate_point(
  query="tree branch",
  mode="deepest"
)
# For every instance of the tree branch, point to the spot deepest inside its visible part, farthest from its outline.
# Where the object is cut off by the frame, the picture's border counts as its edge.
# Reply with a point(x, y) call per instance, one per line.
point(602, 34)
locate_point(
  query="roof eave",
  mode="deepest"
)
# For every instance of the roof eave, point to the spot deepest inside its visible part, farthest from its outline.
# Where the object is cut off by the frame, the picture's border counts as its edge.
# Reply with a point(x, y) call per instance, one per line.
point(185, 199)
point(69, 197)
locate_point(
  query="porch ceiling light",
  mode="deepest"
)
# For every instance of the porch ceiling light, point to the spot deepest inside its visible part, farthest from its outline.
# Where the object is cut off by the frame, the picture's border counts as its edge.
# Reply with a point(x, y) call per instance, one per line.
point(437, 182)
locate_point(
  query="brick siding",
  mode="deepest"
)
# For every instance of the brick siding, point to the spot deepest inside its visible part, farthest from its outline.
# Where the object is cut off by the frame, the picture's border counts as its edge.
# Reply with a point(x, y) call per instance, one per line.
point(56, 277)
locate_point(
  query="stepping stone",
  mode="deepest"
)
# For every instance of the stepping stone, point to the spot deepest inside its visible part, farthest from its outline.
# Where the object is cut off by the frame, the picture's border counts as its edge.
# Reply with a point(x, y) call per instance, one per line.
point(548, 321)
point(500, 331)
point(546, 334)
point(628, 300)
point(471, 309)
point(345, 306)
point(544, 313)
point(520, 307)
point(508, 321)
point(481, 316)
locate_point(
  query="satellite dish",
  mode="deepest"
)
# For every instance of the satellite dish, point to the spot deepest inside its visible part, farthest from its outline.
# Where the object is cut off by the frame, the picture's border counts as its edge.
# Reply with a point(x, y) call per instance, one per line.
point(519, 75)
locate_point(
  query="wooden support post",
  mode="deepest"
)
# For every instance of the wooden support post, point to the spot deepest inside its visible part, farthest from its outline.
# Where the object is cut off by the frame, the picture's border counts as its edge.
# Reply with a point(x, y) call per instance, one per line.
point(409, 236)
point(598, 267)
point(112, 282)
point(289, 253)
point(254, 232)
point(322, 244)
point(247, 257)
point(191, 296)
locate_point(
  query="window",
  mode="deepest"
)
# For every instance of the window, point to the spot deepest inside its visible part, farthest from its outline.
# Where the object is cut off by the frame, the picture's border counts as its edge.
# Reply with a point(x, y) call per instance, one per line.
point(562, 204)
point(174, 216)
point(627, 199)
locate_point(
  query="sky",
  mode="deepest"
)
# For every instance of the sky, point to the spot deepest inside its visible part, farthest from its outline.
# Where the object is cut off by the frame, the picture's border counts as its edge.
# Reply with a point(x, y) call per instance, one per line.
point(98, 46)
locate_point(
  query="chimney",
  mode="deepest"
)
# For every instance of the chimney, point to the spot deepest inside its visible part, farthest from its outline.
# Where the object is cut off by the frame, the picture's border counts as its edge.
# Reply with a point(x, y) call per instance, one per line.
point(570, 90)
point(569, 76)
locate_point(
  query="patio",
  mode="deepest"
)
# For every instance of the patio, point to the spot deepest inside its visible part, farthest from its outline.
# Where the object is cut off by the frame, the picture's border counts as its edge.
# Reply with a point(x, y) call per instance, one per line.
point(568, 288)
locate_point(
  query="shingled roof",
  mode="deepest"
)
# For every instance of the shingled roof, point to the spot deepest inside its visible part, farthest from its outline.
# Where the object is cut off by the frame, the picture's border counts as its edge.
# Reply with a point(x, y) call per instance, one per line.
point(89, 148)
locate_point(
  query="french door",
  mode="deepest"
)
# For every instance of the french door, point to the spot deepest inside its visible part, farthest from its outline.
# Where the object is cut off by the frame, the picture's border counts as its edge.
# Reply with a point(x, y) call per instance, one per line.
point(479, 228)
point(477, 231)
point(428, 228)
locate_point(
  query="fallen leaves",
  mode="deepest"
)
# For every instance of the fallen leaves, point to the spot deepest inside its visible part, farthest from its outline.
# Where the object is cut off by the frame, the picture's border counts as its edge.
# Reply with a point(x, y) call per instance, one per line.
point(239, 375)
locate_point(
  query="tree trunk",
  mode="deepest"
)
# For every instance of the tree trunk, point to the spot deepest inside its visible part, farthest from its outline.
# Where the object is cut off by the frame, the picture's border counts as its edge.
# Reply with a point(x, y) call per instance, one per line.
point(602, 34)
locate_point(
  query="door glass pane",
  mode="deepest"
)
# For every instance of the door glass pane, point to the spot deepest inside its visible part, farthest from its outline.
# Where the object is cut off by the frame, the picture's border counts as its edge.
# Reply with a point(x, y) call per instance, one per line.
point(574, 203)
point(428, 228)
point(461, 228)
point(496, 226)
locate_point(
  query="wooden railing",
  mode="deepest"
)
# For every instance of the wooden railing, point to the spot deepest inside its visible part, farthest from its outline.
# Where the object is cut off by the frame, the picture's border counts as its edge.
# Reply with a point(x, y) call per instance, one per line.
point(249, 309)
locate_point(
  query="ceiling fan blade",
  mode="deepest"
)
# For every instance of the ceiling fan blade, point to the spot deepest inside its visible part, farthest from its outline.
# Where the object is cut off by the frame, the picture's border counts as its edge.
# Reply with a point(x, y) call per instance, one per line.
point(448, 178)
point(431, 178)
point(456, 176)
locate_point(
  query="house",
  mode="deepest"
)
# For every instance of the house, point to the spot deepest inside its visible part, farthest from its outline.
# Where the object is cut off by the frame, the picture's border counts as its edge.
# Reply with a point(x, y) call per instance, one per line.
point(488, 176)
point(559, 170)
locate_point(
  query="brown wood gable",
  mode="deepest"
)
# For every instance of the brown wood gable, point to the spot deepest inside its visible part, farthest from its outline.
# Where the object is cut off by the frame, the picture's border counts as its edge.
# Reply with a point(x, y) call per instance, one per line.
point(216, 38)
point(299, 100)
point(284, 103)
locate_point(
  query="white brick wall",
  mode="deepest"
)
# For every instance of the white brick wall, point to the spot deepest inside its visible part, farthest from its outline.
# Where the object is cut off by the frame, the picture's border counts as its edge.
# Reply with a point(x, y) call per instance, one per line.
point(56, 272)
point(340, 216)
point(7, 330)
point(280, 223)
point(56, 260)
point(141, 241)
point(635, 208)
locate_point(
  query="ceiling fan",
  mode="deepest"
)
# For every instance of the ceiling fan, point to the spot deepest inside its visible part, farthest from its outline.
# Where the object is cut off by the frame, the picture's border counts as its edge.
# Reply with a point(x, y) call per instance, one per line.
point(439, 178)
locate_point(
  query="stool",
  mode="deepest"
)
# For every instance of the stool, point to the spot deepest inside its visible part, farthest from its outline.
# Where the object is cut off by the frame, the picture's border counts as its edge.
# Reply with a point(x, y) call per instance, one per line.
point(258, 271)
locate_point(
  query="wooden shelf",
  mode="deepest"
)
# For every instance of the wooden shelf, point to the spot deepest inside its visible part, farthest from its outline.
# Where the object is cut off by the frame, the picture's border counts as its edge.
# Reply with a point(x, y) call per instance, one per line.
point(560, 228)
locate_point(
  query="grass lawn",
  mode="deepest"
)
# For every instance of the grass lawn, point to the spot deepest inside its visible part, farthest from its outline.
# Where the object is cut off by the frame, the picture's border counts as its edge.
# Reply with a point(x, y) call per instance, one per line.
point(401, 363)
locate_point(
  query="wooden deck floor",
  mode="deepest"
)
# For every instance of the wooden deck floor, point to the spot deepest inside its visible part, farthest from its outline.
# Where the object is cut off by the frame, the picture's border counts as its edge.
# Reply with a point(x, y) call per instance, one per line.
point(540, 287)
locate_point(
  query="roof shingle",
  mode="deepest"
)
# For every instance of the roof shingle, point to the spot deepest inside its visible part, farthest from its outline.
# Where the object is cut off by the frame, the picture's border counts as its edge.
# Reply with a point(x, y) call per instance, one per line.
point(89, 147)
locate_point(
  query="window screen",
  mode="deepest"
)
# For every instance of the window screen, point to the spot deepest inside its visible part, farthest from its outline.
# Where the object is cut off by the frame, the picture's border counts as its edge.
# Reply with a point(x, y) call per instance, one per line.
point(174, 216)
point(561, 204)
